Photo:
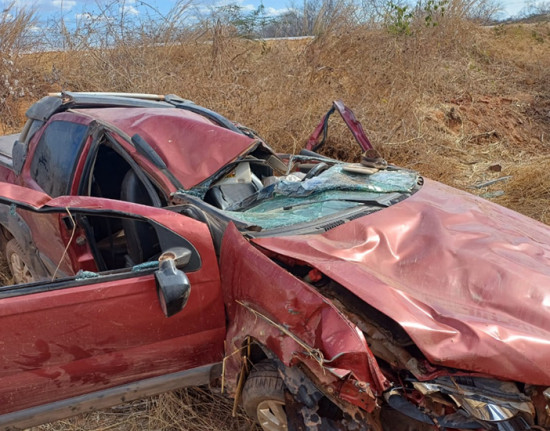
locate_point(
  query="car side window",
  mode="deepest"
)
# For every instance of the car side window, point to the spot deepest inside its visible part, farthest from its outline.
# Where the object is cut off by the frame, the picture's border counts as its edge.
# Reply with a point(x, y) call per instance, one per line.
point(124, 242)
point(56, 155)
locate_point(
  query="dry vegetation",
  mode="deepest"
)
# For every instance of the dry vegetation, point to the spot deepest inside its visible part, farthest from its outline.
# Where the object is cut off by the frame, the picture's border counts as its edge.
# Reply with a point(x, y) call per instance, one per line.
point(460, 103)
point(193, 409)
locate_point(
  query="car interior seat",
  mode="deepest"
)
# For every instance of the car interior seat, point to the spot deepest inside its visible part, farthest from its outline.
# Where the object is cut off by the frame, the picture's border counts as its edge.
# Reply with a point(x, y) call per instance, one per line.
point(237, 186)
point(224, 195)
point(141, 238)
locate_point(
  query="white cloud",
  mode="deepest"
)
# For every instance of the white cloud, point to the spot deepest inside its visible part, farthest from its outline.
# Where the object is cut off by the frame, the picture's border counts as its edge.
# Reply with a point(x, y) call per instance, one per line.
point(129, 10)
point(64, 5)
point(270, 11)
point(203, 9)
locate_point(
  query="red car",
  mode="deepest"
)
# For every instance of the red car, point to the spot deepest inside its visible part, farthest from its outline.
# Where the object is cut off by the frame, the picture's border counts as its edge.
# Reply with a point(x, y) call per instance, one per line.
point(156, 245)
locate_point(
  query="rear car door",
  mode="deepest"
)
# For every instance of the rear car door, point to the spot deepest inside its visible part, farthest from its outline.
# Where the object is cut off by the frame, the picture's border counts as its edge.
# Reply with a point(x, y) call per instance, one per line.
point(79, 340)
point(53, 159)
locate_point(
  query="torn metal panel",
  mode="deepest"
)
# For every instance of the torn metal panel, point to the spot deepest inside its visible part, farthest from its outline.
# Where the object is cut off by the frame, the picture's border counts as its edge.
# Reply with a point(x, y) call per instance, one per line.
point(290, 315)
point(349, 118)
point(467, 279)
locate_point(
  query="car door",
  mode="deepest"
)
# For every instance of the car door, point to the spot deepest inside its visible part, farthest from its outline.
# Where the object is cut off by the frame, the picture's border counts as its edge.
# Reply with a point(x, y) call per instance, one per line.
point(54, 156)
point(80, 338)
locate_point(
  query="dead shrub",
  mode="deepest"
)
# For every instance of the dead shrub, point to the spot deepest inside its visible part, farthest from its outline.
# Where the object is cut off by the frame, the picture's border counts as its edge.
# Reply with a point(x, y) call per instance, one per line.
point(448, 100)
point(18, 80)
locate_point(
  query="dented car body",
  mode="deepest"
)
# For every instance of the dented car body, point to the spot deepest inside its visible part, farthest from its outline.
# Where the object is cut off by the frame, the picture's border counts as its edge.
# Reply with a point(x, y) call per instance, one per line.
point(317, 293)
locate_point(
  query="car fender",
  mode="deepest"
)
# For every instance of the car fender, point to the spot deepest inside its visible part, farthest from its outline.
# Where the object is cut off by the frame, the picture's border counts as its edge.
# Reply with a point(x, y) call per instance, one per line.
point(295, 322)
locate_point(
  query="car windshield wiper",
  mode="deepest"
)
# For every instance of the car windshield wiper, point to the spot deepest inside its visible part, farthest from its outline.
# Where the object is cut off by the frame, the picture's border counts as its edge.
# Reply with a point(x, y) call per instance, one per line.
point(367, 202)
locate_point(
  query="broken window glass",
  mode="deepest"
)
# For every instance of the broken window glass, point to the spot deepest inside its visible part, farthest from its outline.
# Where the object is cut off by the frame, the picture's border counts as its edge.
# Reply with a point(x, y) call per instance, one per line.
point(286, 203)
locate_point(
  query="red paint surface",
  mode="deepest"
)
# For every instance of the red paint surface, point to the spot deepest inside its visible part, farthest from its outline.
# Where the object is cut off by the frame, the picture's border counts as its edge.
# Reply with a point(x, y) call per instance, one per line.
point(17, 194)
point(73, 341)
point(467, 279)
point(49, 235)
point(351, 121)
point(192, 147)
point(7, 175)
point(63, 343)
point(248, 276)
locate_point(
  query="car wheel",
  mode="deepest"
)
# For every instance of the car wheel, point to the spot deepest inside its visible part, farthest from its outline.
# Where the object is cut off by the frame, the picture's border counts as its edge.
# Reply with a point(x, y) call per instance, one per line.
point(17, 263)
point(263, 397)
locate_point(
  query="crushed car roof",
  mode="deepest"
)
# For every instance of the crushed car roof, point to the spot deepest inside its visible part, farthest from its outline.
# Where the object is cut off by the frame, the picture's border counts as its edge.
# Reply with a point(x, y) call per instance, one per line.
point(192, 146)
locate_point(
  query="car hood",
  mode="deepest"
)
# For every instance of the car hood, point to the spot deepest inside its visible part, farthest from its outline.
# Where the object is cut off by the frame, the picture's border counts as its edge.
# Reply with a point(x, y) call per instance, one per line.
point(467, 279)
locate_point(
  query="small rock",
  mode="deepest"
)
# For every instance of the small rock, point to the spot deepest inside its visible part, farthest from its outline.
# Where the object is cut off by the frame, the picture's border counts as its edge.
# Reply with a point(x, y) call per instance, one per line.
point(494, 194)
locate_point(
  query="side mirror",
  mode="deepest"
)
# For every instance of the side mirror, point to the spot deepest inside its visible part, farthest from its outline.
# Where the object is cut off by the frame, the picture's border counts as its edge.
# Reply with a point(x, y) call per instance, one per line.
point(173, 287)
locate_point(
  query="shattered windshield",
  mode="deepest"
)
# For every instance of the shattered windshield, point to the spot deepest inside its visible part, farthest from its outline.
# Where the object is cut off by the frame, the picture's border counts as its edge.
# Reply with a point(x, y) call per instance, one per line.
point(291, 200)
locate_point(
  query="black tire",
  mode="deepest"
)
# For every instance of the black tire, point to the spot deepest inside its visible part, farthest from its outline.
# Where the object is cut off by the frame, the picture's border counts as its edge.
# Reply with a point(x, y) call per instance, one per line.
point(18, 264)
point(263, 396)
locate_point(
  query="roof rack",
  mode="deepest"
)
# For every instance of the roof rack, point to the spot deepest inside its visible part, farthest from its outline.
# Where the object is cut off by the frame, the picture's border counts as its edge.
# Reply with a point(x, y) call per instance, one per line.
point(59, 102)
point(144, 96)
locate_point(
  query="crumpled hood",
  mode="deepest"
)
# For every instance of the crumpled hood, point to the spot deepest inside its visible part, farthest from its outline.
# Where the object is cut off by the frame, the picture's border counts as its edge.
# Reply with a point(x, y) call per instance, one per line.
point(467, 279)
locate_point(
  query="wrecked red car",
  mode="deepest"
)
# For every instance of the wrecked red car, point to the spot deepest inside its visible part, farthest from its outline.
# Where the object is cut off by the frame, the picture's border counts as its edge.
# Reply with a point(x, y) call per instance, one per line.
point(156, 245)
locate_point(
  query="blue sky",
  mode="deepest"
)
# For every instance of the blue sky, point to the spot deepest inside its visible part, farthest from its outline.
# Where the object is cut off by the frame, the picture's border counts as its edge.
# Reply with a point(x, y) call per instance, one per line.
point(73, 10)
point(80, 8)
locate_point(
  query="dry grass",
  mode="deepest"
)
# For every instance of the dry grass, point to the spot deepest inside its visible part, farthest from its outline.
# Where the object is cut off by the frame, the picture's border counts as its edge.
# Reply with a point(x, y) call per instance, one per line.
point(449, 101)
point(192, 409)
point(461, 104)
